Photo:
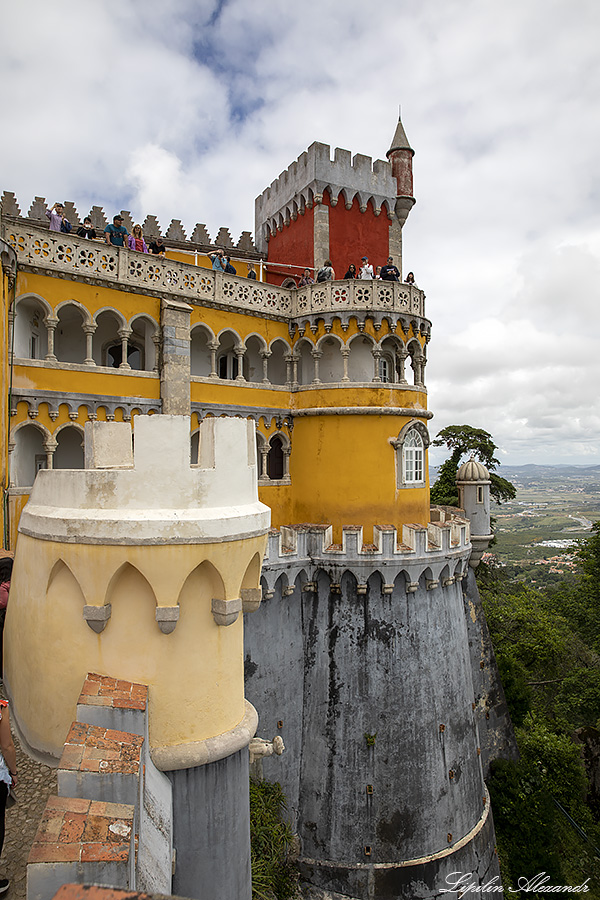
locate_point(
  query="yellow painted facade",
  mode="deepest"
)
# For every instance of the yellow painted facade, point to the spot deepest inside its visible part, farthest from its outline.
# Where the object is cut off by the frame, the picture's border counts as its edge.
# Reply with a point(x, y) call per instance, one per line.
point(342, 467)
point(134, 580)
point(331, 374)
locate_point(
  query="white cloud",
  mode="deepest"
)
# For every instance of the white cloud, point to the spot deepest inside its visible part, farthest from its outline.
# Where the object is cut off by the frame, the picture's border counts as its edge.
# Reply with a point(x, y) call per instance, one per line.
point(189, 109)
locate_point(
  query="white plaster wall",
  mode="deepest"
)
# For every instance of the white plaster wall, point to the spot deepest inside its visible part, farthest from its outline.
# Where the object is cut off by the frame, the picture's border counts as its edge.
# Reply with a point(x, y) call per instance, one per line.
point(28, 444)
point(69, 339)
point(253, 367)
point(29, 320)
point(360, 362)
point(331, 366)
point(199, 353)
point(277, 365)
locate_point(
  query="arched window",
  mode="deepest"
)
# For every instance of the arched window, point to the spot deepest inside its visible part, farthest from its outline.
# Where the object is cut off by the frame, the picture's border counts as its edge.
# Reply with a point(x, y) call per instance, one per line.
point(114, 355)
point(275, 466)
point(410, 447)
point(412, 458)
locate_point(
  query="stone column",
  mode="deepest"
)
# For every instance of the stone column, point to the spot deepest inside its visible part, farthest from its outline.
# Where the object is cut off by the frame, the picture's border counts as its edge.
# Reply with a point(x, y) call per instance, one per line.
point(175, 371)
point(376, 358)
point(320, 233)
point(50, 322)
point(395, 242)
point(265, 355)
point(288, 368)
point(89, 330)
point(239, 355)
point(423, 362)
point(316, 355)
point(286, 461)
point(345, 357)
point(264, 455)
point(156, 342)
point(213, 346)
point(295, 359)
point(50, 445)
point(401, 357)
point(124, 334)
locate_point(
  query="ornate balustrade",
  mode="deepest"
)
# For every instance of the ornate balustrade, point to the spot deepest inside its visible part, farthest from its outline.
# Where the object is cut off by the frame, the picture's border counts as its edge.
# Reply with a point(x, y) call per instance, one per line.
point(80, 258)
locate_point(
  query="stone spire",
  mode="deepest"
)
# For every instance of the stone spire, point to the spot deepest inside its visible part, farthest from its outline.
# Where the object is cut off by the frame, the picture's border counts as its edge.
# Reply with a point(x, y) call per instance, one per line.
point(399, 141)
point(400, 156)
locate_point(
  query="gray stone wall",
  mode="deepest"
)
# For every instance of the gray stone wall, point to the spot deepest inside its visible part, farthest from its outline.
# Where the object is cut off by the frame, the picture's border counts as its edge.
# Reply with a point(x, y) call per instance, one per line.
point(212, 829)
point(375, 695)
point(175, 369)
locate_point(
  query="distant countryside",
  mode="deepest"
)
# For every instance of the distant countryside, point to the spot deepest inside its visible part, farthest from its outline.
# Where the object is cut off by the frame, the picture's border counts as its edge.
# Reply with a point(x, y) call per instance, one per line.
point(536, 533)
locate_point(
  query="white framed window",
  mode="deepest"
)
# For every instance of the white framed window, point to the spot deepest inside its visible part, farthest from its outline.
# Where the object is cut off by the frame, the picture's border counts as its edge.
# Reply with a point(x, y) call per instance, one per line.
point(413, 456)
point(410, 447)
point(385, 370)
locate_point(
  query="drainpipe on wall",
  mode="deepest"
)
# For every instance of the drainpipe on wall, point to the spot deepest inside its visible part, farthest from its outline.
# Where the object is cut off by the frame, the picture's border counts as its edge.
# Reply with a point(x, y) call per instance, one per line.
point(8, 269)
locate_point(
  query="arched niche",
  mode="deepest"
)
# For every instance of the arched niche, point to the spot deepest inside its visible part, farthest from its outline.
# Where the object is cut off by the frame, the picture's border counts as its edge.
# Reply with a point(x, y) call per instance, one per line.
point(277, 366)
point(69, 338)
point(360, 361)
point(199, 351)
point(69, 453)
point(331, 365)
point(29, 455)
point(30, 339)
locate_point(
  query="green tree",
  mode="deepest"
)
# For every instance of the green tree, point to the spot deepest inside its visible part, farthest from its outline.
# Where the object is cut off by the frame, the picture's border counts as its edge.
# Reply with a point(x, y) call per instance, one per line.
point(462, 439)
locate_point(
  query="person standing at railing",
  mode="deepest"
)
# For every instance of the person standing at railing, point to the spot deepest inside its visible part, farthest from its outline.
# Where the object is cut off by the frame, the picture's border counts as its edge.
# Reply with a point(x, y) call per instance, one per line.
point(306, 279)
point(251, 272)
point(218, 260)
point(390, 272)
point(158, 248)
point(366, 270)
point(116, 234)
point(136, 240)
point(410, 278)
point(351, 273)
point(228, 267)
point(326, 273)
point(58, 220)
point(86, 230)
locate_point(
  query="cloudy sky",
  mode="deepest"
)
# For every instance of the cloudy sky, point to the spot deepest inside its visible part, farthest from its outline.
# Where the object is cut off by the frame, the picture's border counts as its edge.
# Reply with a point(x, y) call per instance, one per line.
point(187, 109)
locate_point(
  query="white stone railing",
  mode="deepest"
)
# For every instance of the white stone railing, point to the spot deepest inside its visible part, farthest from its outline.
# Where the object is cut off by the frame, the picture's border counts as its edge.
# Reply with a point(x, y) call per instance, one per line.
point(36, 246)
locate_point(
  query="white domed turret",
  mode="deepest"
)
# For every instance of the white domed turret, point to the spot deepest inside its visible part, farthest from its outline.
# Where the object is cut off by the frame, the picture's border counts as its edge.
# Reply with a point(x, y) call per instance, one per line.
point(473, 482)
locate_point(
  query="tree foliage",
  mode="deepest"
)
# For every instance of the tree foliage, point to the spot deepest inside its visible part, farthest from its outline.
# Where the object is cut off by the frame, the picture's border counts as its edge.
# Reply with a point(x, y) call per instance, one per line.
point(551, 677)
point(462, 439)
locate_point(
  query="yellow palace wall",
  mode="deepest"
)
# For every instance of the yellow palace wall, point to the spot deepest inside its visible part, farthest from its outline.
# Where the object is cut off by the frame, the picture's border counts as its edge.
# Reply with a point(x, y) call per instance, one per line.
point(134, 580)
point(342, 467)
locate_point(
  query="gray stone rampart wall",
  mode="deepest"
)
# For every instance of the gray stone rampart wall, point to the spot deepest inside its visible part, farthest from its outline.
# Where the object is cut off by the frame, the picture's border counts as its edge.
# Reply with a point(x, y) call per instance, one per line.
point(212, 829)
point(392, 665)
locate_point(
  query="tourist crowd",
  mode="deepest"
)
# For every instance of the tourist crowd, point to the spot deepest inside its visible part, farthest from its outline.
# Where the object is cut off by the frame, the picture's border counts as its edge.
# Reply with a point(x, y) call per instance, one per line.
point(118, 236)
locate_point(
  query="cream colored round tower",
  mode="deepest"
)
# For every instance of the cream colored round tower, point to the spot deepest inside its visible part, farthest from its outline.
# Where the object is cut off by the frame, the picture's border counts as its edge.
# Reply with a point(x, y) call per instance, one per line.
point(139, 567)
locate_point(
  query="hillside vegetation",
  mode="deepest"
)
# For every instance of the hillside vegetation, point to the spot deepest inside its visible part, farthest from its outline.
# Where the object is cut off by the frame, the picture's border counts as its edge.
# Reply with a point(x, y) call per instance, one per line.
point(547, 643)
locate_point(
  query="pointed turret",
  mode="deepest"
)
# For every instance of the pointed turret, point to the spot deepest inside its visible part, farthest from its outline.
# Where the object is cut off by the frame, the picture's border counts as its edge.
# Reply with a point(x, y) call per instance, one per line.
point(399, 141)
point(400, 156)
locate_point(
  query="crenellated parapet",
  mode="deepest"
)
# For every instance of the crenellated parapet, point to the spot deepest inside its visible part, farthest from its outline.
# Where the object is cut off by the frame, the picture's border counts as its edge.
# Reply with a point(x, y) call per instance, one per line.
point(68, 256)
point(434, 555)
point(303, 183)
point(174, 236)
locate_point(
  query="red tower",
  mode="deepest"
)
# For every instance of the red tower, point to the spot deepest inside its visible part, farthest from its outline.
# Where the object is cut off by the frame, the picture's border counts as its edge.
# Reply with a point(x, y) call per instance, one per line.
point(340, 209)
